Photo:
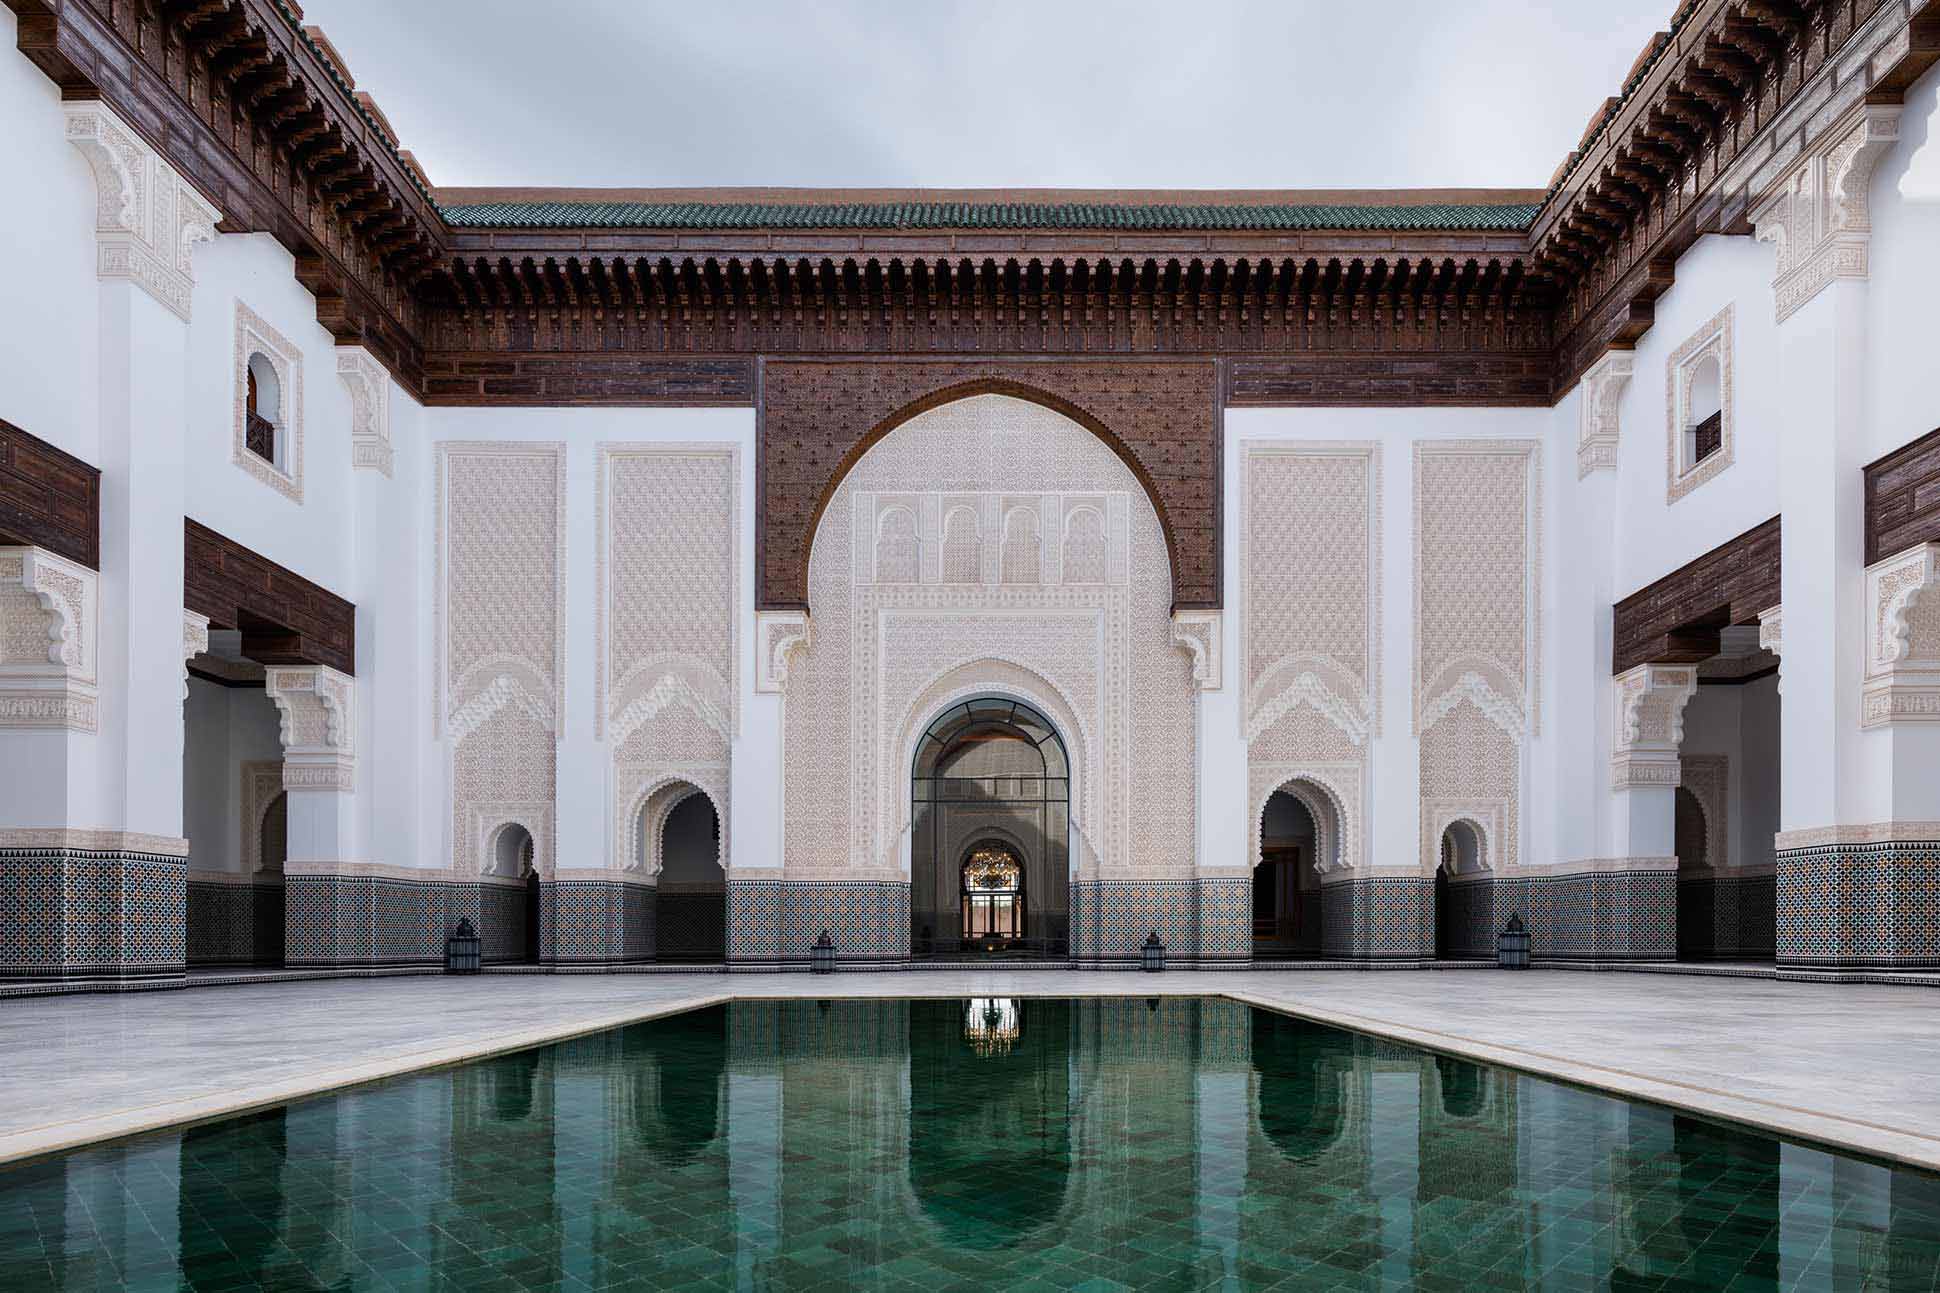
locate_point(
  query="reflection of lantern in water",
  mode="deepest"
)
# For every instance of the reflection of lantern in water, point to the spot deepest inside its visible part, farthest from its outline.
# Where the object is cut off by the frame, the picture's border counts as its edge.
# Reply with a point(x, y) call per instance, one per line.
point(991, 1024)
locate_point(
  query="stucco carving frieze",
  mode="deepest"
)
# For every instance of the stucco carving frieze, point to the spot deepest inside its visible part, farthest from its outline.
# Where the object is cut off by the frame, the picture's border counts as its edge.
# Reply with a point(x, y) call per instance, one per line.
point(1488, 818)
point(49, 634)
point(262, 782)
point(1198, 633)
point(1599, 434)
point(195, 641)
point(1708, 778)
point(370, 409)
point(1902, 681)
point(1818, 214)
point(319, 722)
point(1649, 724)
point(778, 634)
point(147, 217)
point(1332, 793)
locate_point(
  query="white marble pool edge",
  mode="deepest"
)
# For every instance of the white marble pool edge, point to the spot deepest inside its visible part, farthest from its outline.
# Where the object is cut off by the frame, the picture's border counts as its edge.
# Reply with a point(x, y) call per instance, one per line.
point(1828, 1130)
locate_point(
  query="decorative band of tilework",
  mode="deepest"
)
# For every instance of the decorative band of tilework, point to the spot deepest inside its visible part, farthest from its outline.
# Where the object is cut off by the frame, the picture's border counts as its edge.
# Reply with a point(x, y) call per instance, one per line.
point(1196, 920)
point(771, 921)
point(235, 923)
point(365, 920)
point(1466, 919)
point(88, 914)
point(600, 922)
point(1859, 905)
point(1602, 916)
point(1726, 917)
point(1377, 918)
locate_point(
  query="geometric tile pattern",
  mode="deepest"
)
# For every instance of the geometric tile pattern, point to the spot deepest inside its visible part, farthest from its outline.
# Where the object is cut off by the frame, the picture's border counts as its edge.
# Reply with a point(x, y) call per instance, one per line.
point(1601, 916)
point(779, 920)
point(235, 924)
point(1857, 905)
point(1197, 920)
point(1725, 917)
point(600, 921)
point(84, 913)
point(342, 920)
point(1471, 918)
point(1377, 918)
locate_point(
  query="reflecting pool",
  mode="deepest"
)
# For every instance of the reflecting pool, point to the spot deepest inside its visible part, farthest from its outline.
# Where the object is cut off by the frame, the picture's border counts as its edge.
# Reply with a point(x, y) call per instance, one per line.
point(996, 1143)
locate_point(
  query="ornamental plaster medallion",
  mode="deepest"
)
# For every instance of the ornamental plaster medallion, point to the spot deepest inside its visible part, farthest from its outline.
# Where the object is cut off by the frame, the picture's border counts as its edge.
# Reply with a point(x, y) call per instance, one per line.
point(1713, 341)
point(148, 219)
point(254, 336)
point(369, 387)
point(49, 633)
point(987, 546)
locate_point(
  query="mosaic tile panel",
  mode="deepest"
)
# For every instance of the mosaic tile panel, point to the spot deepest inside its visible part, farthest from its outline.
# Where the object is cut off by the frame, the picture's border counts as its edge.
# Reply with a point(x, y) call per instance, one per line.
point(601, 921)
point(1727, 918)
point(70, 913)
point(1197, 920)
point(754, 920)
point(365, 920)
point(1859, 905)
point(1471, 919)
point(865, 921)
point(1377, 918)
point(1599, 916)
point(221, 924)
point(690, 927)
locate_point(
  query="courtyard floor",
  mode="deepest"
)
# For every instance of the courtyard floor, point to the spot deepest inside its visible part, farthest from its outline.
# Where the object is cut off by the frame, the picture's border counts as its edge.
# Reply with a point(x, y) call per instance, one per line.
point(1851, 1065)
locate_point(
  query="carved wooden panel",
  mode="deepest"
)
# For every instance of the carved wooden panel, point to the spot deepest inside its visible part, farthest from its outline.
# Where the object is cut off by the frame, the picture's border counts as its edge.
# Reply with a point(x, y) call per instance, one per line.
point(817, 417)
point(1396, 379)
point(284, 618)
point(1677, 620)
point(1903, 498)
point(48, 498)
point(554, 379)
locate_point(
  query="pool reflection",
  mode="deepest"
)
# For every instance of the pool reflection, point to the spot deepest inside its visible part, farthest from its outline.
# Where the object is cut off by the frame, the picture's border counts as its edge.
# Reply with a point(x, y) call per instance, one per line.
point(1160, 1144)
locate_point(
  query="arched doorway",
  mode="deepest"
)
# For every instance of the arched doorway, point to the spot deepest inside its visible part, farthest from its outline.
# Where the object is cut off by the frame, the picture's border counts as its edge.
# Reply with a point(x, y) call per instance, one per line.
point(1288, 921)
point(680, 837)
point(267, 892)
point(990, 824)
point(512, 860)
point(1463, 921)
point(1696, 895)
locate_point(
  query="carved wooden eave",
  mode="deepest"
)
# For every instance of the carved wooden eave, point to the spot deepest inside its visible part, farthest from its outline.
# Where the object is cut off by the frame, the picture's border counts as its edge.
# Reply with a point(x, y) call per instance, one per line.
point(253, 113)
point(1714, 107)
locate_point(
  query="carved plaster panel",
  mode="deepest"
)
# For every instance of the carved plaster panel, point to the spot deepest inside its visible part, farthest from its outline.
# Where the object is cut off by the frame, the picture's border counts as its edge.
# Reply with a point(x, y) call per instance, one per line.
point(777, 635)
point(195, 641)
point(1599, 434)
point(1708, 778)
point(921, 579)
point(1198, 634)
point(1902, 681)
point(262, 782)
point(49, 636)
point(254, 336)
point(1818, 214)
point(1648, 725)
point(1332, 793)
point(1712, 341)
point(370, 409)
point(317, 706)
point(147, 217)
point(499, 624)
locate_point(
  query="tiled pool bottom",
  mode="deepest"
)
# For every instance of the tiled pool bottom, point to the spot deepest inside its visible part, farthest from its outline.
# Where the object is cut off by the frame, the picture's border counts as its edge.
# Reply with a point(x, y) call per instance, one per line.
point(1001, 1144)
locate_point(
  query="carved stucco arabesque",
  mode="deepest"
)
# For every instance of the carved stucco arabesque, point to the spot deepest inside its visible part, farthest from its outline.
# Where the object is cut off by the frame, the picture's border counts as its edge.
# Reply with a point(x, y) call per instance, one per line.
point(49, 631)
point(498, 673)
point(987, 546)
point(1902, 683)
point(369, 387)
point(1817, 212)
point(1708, 779)
point(317, 709)
point(1648, 725)
point(666, 647)
point(1599, 431)
point(147, 217)
point(1309, 658)
point(1478, 674)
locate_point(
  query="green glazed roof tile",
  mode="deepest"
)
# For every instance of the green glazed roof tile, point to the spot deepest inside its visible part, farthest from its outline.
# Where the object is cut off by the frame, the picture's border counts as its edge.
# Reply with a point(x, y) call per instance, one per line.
point(966, 215)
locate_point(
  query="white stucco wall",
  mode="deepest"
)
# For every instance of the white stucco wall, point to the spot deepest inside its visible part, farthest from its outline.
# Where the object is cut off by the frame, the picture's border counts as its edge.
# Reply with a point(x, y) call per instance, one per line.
point(224, 727)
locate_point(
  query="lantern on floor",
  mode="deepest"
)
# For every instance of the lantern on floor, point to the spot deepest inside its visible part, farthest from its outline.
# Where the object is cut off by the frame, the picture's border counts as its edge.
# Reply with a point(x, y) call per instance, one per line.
point(1512, 945)
point(821, 957)
point(1152, 955)
point(461, 950)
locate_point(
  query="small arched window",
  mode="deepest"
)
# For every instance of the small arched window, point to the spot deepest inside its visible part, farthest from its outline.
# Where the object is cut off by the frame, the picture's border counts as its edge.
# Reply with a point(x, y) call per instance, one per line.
point(1700, 418)
point(1704, 431)
point(263, 409)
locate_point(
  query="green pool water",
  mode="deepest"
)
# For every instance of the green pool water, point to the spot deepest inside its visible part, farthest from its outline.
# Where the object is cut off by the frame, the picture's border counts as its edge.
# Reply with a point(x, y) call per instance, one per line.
point(995, 1144)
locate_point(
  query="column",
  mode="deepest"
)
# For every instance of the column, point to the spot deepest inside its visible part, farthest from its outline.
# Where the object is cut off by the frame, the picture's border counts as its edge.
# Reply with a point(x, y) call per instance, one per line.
point(1843, 855)
point(1630, 903)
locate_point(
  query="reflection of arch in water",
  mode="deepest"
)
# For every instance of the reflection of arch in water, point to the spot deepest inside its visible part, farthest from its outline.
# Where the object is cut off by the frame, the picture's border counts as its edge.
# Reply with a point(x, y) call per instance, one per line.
point(676, 1067)
point(990, 1127)
point(1462, 1085)
point(1300, 1068)
point(513, 1079)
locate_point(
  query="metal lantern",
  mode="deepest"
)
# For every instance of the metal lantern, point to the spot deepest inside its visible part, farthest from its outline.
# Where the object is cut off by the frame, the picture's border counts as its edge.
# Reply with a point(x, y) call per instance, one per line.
point(461, 950)
point(821, 957)
point(1152, 955)
point(1512, 945)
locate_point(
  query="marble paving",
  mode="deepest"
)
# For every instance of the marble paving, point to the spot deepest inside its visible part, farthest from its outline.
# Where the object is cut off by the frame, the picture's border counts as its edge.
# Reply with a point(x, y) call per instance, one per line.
point(1850, 1065)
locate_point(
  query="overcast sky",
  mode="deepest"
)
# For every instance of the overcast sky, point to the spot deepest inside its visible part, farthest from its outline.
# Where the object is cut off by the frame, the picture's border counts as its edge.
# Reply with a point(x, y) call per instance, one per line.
point(986, 93)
